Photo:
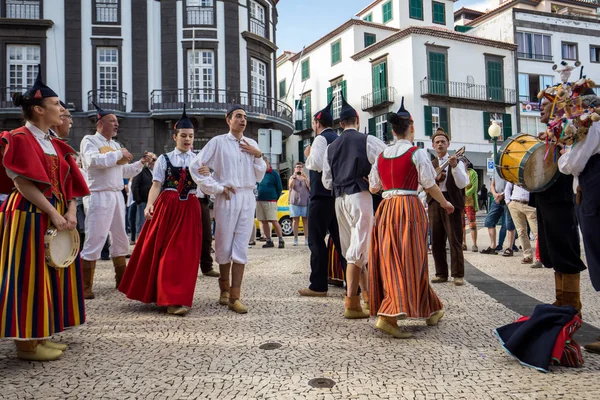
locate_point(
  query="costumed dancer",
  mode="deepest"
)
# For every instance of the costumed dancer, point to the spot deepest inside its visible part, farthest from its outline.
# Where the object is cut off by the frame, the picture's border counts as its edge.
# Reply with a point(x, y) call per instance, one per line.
point(106, 210)
point(321, 206)
point(346, 169)
point(164, 264)
point(446, 226)
point(398, 271)
point(237, 166)
point(40, 173)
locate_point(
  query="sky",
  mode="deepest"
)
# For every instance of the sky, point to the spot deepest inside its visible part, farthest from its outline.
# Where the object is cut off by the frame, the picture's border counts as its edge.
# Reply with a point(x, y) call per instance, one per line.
point(302, 22)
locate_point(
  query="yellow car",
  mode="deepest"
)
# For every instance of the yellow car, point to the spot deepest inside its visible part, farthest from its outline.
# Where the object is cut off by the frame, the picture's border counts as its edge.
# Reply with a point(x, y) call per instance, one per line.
point(283, 215)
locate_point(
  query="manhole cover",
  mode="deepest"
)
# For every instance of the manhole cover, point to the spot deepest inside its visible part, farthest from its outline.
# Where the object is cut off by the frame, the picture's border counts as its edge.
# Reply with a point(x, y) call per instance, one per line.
point(321, 383)
point(270, 346)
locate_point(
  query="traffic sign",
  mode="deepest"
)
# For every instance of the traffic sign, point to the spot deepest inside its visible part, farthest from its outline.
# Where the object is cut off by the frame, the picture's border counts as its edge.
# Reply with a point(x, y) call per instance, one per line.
point(490, 166)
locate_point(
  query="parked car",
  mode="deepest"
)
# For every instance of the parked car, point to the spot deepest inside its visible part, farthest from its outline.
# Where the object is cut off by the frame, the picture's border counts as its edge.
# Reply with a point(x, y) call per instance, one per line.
point(283, 215)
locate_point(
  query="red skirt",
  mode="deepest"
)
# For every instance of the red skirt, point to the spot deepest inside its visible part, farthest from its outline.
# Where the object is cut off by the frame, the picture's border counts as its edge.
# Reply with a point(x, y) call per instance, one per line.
point(163, 267)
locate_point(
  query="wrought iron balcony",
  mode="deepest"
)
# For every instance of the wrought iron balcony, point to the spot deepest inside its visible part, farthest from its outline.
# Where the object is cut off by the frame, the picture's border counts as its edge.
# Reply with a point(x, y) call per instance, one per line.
point(468, 91)
point(533, 56)
point(107, 99)
point(197, 15)
point(6, 96)
point(258, 27)
point(219, 101)
point(378, 99)
point(24, 9)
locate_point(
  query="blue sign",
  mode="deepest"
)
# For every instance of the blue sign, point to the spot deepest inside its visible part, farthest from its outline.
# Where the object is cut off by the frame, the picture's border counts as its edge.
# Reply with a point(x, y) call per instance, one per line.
point(490, 166)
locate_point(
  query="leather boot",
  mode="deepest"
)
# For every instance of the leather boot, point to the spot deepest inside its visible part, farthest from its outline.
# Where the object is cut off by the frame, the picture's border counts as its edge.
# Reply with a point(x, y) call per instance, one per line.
point(32, 350)
point(558, 281)
point(88, 278)
point(571, 291)
point(389, 326)
point(234, 301)
point(224, 287)
point(119, 263)
point(353, 310)
point(365, 296)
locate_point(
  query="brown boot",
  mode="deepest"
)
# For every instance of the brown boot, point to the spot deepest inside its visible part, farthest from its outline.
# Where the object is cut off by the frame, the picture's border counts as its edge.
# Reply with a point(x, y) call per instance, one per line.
point(593, 347)
point(32, 350)
point(571, 291)
point(558, 282)
point(234, 301)
point(353, 310)
point(365, 296)
point(224, 297)
point(119, 263)
point(88, 278)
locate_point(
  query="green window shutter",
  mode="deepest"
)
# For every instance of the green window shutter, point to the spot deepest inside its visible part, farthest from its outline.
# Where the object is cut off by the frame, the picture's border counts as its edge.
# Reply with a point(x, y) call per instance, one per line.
point(372, 128)
point(387, 11)
point(368, 18)
point(486, 125)
point(437, 73)
point(428, 121)
point(379, 83)
point(439, 13)
point(336, 52)
point(415, 10)
point(343, 85)
point(305, 70)
point(300, 151)
point(506, 126)
point(282, 88)
point(329, 93)
point(494, 80)
point(444, 119)
point(370, 39)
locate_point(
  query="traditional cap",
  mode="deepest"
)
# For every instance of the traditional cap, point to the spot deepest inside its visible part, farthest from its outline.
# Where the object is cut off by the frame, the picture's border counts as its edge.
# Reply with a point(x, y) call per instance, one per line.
point(438, 132)
point(347, 110)
point(184, 122)
point(325, 115)
point(100, 113)
point(403, 112)
point(233, 108)
point(39, 90)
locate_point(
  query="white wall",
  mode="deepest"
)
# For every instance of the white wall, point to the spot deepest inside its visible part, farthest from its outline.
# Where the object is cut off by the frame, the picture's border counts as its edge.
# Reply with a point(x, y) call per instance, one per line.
point(55, 51)
point(400, 14)
point(498, 27)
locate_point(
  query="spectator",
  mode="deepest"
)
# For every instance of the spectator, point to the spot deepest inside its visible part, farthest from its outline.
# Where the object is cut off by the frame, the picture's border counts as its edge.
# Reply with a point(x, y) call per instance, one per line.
point(483, 198)
point(140, 188)
point(517, 200)
point(269, 191)
point(299, 186)
point(471, 207)
point(498, 209)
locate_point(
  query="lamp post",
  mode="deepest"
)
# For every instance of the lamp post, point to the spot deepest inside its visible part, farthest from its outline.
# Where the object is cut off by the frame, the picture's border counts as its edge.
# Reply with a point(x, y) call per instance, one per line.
point(494, 131)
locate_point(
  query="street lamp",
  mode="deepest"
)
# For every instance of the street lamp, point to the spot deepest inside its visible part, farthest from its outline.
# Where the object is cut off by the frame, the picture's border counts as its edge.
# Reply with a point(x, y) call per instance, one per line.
point(494, 131)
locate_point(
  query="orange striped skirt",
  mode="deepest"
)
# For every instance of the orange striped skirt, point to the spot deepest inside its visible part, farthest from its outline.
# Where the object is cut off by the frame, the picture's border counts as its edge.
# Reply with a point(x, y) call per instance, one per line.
point(398, 270)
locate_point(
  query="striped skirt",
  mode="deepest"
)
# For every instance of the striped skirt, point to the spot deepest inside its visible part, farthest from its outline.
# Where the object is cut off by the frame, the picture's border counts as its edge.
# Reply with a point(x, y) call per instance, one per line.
point(398, 271)
point(36, 301)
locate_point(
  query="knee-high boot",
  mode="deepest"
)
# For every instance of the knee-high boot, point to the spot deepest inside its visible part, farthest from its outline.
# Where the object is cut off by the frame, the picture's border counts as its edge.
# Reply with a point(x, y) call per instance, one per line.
point(119, 263)
point(571, 291)
point(88, 278)
point(558, 282)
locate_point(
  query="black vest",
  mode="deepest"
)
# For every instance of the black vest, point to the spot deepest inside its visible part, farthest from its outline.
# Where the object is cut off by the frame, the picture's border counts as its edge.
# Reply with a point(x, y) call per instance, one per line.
point(589, 182)
point(456, 196)
point(349, 163)
point(316, 185)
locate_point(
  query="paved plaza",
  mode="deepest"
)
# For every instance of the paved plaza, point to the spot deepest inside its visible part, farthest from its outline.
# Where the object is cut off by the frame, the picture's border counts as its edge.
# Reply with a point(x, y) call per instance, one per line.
point(129, 350)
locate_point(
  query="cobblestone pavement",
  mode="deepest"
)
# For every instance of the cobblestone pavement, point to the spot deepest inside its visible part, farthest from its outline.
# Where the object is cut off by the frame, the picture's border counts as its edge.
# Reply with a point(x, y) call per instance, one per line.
point(129, 350)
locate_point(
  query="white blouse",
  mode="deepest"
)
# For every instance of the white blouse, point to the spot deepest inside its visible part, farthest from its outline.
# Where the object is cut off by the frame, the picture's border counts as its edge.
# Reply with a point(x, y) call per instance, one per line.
point(177, 158)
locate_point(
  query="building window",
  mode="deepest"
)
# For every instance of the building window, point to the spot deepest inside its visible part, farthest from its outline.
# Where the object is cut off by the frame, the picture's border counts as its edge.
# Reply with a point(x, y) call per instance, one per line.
point(336, 52)
point(305, 69)
point(23, 9)
point(569, 51)
point(106, 11)
point(258, 75)
point(438, 83)
point(530, 85)
point(258, 21)
point(534, 46)
point(387, 11)
point(282, 89)
point(336, 89)
point(503, 120)
point(381, 127)
point(22, 66)
point(108, 74)
point(368, 18)
point(595, 54)
point(439, 13)
point(199, 12)
point(303, 118)
point(495, 85)
point(379, 79)
point(415, 9)
point(201, 75)
point(370, 39)
point(436, 117)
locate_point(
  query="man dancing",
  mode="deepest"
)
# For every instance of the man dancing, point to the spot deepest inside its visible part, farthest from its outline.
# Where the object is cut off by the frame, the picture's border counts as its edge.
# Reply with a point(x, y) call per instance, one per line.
point(238, 165)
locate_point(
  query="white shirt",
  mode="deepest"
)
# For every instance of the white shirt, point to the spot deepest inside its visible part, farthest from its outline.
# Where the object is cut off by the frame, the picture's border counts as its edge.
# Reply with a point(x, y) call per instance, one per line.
point(178, 159)
point(514, 192)
point(232, 166)
point(318, 151)
point(426, 172)
point(374, 148)
point(43, 139)
point(104, 174)
point(461, 178)
point(574, 160)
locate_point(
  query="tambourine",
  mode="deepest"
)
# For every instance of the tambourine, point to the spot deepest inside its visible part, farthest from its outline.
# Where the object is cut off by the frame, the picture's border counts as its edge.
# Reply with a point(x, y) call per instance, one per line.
point(108, 149)
point(61, 247)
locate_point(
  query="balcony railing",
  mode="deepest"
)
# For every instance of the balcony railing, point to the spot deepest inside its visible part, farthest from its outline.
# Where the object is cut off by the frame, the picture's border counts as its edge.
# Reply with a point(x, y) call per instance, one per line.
point(378, 98)
point(532, 56)
point(197, 15)
point(219, 100)
point(258, 27)
point(468, 91)
point(6, 96)
point(25, 9)
point(107, 12)
point(107, 99)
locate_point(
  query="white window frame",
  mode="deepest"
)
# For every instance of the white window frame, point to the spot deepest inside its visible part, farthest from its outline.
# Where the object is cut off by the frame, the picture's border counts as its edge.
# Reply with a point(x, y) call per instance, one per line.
point(200, 12)
point(530, 53)
point(22, 62)
point(498, 118)
point(258, 77)
point(336, 106)
point(201, 75)
point(23, 9)
point(435, 119)
point(258, 13)
point(110, 14)
point(108, 86)
point(380, 123)
point(594, 53)
point(571, 49)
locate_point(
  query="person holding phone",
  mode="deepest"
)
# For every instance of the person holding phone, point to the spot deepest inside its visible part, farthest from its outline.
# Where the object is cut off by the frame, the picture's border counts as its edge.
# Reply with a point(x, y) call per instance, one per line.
point(299, 186)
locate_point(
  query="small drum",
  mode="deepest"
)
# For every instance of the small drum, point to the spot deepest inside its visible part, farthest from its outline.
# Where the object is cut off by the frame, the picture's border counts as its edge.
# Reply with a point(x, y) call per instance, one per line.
point(61, 248)
point(521, 161)
point(108, 149)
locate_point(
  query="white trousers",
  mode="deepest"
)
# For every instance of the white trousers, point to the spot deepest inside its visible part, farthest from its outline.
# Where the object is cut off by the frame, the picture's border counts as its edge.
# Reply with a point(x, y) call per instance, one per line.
point(105, 214)
point(355, 219)
point(234, 219)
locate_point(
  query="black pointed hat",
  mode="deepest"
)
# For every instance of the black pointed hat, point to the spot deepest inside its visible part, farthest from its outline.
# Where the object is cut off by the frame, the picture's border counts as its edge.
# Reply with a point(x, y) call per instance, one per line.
point(100, 113)
point(39, 90)
point(325, 116)
point(347, 110)
point(184, 122)
point(403, 112)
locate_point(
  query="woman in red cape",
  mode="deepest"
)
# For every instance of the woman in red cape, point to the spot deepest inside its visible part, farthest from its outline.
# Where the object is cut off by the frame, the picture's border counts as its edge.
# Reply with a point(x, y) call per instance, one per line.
point(163, 267)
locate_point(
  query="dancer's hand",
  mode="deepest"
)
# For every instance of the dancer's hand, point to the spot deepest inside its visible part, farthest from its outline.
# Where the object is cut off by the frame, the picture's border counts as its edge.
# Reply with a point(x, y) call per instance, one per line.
point(307, 151)
point(71, 219)
point(126, 154)
point(204, 170)
point(149, 211)
point(59, 222)
point(453, 161)
point(227, 191)
point(449, 207)
point(247, 148)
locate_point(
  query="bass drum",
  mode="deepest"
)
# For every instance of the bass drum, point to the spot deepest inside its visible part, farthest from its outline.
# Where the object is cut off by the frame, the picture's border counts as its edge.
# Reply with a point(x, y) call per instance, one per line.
point(521, 161)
